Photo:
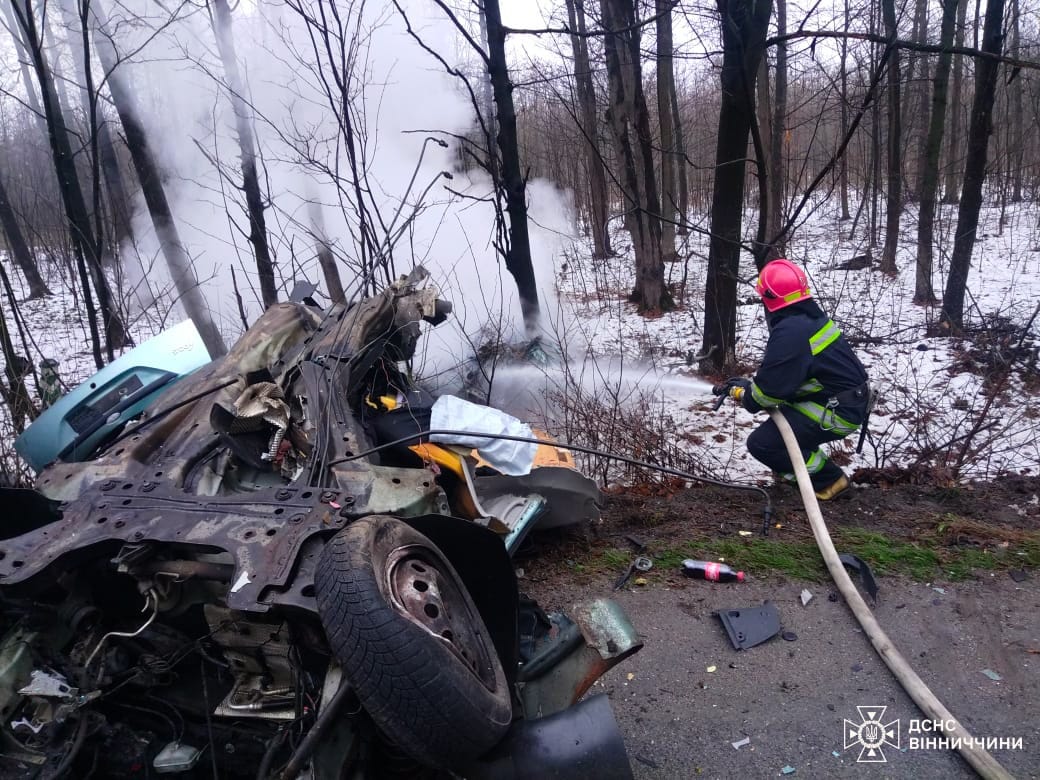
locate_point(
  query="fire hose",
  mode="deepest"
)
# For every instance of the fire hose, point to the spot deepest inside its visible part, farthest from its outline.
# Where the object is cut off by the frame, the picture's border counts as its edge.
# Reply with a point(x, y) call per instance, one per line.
point(981, 761)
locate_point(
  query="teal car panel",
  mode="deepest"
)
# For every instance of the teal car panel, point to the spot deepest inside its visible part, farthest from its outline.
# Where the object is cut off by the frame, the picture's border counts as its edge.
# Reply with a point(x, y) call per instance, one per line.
point(81, 419)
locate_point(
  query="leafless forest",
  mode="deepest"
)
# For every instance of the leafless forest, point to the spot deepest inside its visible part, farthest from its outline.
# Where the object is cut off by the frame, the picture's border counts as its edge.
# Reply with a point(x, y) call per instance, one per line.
point(200, 158)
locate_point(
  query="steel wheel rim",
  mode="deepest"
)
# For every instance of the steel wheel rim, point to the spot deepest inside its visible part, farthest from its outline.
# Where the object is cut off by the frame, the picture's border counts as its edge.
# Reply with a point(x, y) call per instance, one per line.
point(422, 591)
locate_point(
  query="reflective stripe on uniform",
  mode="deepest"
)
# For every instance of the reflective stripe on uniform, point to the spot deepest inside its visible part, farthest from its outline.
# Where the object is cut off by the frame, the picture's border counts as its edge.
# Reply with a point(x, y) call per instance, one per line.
point(762, 399)
point(824, 417)
point(824, 337)
point(809, 387)
point(815, 462)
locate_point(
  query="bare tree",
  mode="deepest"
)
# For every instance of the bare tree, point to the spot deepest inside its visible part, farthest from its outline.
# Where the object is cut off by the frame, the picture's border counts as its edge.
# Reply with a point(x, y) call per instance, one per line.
point(979, 131)
point(18, 248)
point(773, 238)
point(915, 97)
point(98, 129)
point(24, 62)
point(630, 122)
point(744, 25)
point(679, 140)
point(950, 193)
point(326, 259)
point(86, 242)
point(518, 254)
point(16, 368)
point(1015, 111)
point(247, 150)
point(843, 171)
point(599, 196)
point(894, 176)
point(149, 175)
point(930, 156)
point(666, 122)
point(487, 93)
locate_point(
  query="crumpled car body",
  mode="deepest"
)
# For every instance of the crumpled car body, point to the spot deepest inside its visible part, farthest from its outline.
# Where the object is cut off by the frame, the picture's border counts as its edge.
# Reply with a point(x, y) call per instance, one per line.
point(241, 581)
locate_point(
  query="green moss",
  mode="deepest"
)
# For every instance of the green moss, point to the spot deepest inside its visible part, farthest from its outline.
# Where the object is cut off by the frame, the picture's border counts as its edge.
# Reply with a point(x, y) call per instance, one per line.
point(922, 560)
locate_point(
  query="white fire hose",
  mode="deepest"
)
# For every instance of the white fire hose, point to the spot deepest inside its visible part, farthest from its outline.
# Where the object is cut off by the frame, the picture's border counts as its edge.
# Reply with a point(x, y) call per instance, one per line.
point(981, 761)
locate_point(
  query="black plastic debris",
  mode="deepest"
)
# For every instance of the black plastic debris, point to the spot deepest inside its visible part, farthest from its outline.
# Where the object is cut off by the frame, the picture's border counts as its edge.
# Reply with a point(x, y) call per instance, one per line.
point(1019, 575)
point(750, 626)
point(789, 636)
point(866, 576)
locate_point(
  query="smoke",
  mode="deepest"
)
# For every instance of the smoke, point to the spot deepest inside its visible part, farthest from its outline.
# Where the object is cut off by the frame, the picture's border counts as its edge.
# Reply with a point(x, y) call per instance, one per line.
point(400, 97)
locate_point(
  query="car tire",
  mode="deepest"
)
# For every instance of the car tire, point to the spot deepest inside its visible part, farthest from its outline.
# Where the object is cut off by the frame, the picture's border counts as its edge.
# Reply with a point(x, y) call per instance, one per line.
point(411, 642)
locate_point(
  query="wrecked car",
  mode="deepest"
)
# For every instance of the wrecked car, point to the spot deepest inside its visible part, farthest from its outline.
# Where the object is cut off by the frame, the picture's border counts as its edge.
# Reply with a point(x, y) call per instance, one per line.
point(259, 567)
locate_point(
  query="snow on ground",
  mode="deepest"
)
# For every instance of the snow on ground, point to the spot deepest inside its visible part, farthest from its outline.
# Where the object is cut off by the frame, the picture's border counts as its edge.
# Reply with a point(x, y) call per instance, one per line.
point(635, 366)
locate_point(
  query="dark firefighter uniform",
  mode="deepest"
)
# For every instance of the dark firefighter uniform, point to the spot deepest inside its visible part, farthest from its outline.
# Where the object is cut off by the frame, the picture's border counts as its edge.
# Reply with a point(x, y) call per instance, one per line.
point(811, 373)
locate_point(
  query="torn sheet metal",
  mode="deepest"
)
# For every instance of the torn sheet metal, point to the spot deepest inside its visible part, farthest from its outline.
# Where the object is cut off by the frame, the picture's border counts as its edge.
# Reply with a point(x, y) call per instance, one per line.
point(607, 637)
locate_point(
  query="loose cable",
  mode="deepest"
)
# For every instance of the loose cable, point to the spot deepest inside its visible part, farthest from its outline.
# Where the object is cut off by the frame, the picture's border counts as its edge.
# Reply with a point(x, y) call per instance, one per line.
point(767, 510)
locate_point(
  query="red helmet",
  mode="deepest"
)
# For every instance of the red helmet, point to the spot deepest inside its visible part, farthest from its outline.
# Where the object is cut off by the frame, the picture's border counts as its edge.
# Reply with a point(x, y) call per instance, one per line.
point(782, 283)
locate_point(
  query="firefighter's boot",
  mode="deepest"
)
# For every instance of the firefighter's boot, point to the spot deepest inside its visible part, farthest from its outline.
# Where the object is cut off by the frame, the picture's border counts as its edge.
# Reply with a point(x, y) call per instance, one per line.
point(833, 490)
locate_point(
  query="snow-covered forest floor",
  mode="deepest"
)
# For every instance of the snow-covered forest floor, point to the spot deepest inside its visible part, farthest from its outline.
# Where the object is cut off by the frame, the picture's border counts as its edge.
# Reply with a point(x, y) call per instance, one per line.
point(629, 384)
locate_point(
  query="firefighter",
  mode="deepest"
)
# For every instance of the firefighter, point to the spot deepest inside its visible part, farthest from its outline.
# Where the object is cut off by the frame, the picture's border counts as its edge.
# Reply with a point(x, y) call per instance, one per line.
point(810, 373)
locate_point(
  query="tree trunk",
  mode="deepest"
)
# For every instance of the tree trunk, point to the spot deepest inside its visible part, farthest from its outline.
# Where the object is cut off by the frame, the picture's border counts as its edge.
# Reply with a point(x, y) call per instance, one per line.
point(518, 255)
point(630, 121)
point(874, 184)
point(930, 155)
point(118, 202)
point(680, 169)
point(778, 242)
point(665, 92)
point(24, 61)
point(16, 369)
point(599, 197)
point(247, 149)
point(19, 249)
point(894, 199)
point(763, 158)
point(744, 25)
point(1017, 151)
point(953, 163)
point(874, 176)
point(327, 261)
point(979, 131)
point(181, 270)
point(487, 93)
point(83, 236)
point(915, 97)
point(843, 170)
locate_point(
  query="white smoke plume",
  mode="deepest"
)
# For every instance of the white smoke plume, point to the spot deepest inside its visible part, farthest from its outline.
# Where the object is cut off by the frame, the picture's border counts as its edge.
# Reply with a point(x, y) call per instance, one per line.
point(402, 96)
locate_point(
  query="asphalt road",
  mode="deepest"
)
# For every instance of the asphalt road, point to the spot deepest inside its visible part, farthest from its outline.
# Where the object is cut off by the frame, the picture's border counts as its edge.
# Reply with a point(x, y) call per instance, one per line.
point(790, 698)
